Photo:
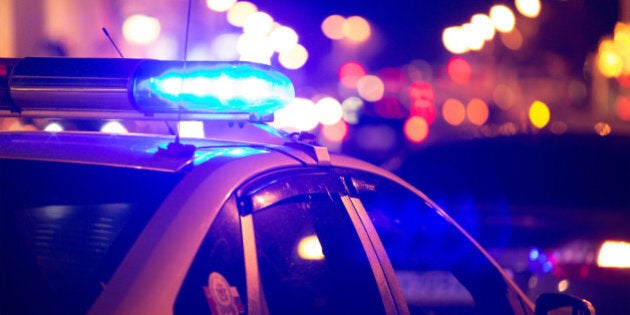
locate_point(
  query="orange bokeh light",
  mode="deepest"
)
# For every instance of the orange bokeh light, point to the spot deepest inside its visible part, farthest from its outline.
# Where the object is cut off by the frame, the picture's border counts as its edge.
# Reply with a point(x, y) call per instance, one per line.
point(416, 129)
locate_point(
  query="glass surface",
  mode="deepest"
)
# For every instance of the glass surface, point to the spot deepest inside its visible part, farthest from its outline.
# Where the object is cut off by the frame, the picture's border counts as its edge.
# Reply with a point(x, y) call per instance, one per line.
point(439, 270)
point(311, 260)
point(64, 229)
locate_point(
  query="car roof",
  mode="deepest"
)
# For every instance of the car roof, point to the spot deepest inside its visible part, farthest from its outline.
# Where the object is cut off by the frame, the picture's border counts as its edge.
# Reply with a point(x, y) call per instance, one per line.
point(136, 150)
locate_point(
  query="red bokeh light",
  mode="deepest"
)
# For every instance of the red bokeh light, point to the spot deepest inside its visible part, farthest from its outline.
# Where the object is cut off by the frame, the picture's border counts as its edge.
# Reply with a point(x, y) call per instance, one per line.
point(623, 108)
point(350, 73)
point(420, 90)
point(459, 70)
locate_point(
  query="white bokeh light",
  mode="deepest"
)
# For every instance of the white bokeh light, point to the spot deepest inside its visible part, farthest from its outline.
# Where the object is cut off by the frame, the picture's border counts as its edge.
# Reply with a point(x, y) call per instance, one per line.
point(294, 58)
point(299, 115)
point(141, 29)
point(329, 111)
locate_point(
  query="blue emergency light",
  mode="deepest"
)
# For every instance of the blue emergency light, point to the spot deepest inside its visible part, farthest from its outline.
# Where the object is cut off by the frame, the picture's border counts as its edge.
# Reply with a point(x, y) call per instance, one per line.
point(143, 88)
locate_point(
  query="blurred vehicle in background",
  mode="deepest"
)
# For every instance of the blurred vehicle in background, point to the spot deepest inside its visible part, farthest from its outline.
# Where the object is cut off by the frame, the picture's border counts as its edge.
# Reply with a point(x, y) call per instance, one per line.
point(554, 210)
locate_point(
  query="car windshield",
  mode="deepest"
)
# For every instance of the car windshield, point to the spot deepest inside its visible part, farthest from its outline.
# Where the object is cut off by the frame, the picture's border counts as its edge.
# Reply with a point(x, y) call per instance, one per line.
point(66, 227)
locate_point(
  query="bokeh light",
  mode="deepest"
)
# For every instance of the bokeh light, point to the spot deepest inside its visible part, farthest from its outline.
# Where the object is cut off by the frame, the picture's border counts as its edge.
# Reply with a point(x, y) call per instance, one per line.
point(503, 18)
point(351, 108)
point(141, 29)
point(328, 111)
point(421, 90)
point(255, 48)
point(503, 96)
point(539, 114)
point(239, 12)
point(332, 27)
point(356, 29)
point(220, 5)
point(477, 111)
point(370, 88)
point(454, 40)
point(335, 133)
point(528, 8)
point(609, 61)
point(513, 39)
point(283, 38)
point(603, 129)
point(459, 70)
point(453, 112)
point(623, 108)
point(416, 129)
point(294, 58)
point(473, 36)
point(614, 254)
point(484, 25)
point(299, 115)
point(258, 24)
point(350, 73)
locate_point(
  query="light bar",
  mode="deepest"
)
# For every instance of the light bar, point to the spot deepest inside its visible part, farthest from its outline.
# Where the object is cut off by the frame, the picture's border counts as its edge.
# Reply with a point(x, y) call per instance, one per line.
point(126, 88)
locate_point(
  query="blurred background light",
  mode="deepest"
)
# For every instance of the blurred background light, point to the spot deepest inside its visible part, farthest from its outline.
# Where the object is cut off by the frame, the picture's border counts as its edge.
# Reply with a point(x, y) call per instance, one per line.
point(614, 254)
point(141, 29)
point(484, 25)
point(350, 73)
point(454, 40)
point(528, 8)
point(336, 133)
point(603, 129)
point(539, 114)
point(351, 108)
point(623, 108)
point(356, 29)
point(328, 111)
point(503, 18)
point(453, 112)
point(477, 111)
point(258, 24)
point(459, 70)
point(220, 5)
point(416, 129)
point(254, 48)
point(503, 96)
point(332, 27)
point(239, 12)
point(609, 61)
point(512, 39)
point(370, 88)
point(283, 38)
point(294, 58)
point(473, 36)
point(300, 115)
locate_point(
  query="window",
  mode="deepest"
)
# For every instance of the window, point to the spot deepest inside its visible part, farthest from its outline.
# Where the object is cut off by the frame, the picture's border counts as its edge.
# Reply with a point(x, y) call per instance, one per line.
point(64, 228)
point(310, 258)
point(439, 270)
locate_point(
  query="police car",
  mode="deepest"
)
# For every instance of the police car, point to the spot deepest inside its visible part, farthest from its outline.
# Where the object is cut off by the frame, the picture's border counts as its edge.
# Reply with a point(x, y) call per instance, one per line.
point(248, 220)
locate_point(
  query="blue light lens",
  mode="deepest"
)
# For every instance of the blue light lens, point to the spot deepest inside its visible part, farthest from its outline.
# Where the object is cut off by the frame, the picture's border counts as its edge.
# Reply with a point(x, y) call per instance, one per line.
point(210, 87)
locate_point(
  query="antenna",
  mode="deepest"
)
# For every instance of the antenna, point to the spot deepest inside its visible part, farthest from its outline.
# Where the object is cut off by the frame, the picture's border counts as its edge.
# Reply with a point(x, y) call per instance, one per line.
point(111, 40)
point(176, 148)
